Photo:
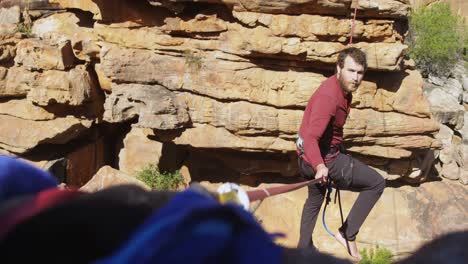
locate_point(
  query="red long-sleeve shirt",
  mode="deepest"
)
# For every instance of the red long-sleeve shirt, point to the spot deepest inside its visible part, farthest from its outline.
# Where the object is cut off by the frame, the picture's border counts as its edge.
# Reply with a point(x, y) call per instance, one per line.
point(323, 121)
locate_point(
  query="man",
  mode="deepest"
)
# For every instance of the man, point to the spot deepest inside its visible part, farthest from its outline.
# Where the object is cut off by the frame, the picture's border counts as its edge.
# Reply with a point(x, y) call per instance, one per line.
point(320, 152)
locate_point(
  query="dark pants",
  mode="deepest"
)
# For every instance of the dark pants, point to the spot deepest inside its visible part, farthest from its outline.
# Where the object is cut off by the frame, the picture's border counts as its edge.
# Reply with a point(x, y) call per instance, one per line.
point(348, 174)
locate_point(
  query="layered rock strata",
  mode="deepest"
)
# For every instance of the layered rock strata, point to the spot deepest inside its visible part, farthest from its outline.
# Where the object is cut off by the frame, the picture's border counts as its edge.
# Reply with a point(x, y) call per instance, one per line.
point(213, 75)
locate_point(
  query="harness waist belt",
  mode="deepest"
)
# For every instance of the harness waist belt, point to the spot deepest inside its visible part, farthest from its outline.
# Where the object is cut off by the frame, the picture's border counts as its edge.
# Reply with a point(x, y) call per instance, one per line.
point(300, 144)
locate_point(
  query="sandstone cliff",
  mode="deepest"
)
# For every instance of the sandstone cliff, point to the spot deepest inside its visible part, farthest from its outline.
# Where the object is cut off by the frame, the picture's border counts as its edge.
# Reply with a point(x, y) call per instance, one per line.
point(221, 77)
point(218, 88)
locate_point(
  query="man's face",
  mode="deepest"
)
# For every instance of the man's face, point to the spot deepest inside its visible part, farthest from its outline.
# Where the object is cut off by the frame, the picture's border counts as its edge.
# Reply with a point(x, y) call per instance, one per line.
point(350, 76)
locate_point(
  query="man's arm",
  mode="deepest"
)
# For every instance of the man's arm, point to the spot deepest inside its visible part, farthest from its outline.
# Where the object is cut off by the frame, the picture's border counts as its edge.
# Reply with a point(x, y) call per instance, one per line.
point(322, 108)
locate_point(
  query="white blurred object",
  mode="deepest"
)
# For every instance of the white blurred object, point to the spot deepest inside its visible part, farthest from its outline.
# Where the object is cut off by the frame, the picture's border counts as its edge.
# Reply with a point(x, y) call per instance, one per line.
point(231, 192)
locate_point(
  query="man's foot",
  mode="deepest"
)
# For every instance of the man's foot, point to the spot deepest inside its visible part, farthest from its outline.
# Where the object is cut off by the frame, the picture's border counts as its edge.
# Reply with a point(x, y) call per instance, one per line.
point(350, 246)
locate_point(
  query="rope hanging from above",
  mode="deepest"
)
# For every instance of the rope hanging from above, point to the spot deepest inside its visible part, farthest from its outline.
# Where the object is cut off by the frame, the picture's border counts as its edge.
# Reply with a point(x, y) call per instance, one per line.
point(352, 23)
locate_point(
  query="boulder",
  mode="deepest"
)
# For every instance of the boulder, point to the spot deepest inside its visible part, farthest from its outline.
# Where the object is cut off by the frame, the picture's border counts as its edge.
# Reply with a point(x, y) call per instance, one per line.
point(17, 82)
point(25, 110)
point(464, 176)
point(74, 87)
point(139, 151)
point(445, 135)
point(465, 83)
point(8, 31)
point(453, 87)
point(10, 15)
point(35, 54)
point(66, 26)
point(464, 129)
point(153, 105)
point(21, 136)
point(446, 108)
point(450, 171)
point(107, 177)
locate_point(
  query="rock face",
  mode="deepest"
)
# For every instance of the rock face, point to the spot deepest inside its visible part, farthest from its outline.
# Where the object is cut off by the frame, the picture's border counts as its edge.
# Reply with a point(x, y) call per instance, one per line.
point(217, 88)
point(21, 135)
point(445, 101)
point(234, 75)
point(255, 42)
point(384, 8)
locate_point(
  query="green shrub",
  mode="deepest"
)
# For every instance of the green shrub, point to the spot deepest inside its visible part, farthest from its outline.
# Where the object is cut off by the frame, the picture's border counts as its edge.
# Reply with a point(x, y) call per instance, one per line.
point(376, 256)
point(25, 29)
point(436, 39)
point(157, 180)
point(193, 59)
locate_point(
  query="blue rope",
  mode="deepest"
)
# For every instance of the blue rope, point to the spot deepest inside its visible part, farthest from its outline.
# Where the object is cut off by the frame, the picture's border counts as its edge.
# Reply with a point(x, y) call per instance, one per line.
point(328, 199)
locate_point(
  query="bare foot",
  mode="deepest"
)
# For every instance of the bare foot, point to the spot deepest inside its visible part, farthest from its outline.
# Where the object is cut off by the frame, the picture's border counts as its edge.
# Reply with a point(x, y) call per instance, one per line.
point(350, 246)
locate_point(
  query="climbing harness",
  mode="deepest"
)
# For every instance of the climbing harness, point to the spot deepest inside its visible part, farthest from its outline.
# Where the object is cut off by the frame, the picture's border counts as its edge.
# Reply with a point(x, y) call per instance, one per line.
point(230, 192)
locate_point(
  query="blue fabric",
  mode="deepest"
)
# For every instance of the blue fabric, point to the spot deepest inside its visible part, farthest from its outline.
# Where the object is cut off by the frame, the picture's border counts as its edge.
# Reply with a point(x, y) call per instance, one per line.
point(193, 228)
point(17, 177)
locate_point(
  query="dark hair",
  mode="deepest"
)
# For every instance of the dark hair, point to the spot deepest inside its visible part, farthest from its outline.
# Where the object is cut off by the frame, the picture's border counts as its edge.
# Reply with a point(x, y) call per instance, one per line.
point(356, 54)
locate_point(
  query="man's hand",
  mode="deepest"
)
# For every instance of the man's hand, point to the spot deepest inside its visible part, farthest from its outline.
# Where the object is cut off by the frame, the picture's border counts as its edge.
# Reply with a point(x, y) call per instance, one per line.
point(322, 173)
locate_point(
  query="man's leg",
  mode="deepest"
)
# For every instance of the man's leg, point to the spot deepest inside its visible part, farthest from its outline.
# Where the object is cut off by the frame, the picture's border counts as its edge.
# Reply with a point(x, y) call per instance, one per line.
point(309, 214)
point(365, 180)
point(370, 186)
point(311, 206)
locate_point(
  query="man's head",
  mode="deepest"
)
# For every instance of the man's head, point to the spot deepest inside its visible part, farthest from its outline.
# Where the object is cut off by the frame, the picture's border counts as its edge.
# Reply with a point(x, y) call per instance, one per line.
point(350, 68)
